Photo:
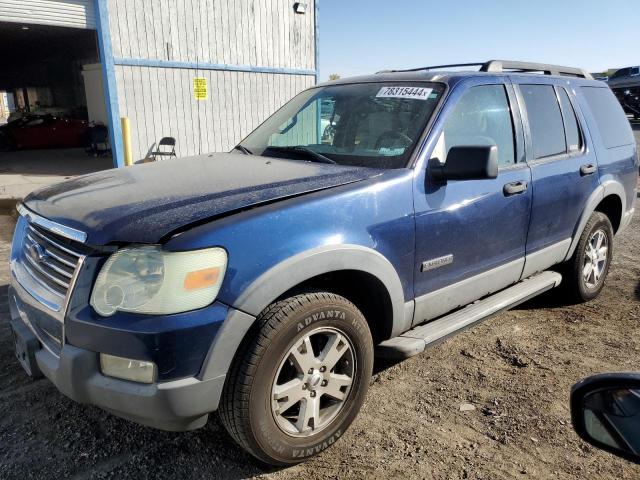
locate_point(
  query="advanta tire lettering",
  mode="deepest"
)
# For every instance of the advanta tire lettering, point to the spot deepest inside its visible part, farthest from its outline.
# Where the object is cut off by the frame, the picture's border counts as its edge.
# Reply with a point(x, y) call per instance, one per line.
point(301, 327)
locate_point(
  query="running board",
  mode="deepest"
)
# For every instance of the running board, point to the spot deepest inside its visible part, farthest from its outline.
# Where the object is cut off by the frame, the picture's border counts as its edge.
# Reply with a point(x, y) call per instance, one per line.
point(415, 341)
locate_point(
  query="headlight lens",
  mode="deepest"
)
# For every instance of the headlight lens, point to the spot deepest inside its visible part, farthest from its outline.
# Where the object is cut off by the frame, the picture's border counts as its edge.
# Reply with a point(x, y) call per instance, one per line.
point(150, 280)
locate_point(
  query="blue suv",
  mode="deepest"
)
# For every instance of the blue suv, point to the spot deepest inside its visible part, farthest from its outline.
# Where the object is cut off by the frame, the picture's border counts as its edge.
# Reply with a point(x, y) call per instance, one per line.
point(381, 212)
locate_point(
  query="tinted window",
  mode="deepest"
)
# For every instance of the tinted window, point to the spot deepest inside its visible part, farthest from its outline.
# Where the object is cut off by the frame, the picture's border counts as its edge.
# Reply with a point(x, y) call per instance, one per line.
point(481, 117)
point(610, 118)
point(545, 120)
point(572, 132)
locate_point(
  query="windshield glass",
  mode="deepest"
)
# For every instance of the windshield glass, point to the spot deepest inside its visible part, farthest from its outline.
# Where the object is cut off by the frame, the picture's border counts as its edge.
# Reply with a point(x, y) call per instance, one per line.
point(367, 124)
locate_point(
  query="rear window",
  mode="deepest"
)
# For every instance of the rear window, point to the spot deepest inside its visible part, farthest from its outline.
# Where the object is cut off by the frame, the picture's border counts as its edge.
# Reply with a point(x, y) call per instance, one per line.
point(545, 120)
point(610, 118)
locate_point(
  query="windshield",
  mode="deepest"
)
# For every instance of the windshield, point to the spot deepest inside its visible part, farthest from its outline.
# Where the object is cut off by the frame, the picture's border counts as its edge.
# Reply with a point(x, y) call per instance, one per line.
point(367, 124)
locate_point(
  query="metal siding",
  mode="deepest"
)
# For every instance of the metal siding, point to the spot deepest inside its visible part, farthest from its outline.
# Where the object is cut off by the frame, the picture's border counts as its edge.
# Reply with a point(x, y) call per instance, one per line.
point(159, 103)
point(264, 33)
point(161, 48)
point(63, 13)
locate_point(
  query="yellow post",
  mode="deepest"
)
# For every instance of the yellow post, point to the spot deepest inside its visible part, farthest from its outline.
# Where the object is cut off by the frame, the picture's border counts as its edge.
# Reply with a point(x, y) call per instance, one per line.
point(126, 141)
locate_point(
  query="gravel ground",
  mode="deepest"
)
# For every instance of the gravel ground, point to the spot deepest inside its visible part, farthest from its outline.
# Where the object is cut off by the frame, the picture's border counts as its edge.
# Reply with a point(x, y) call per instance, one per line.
point(516, 369)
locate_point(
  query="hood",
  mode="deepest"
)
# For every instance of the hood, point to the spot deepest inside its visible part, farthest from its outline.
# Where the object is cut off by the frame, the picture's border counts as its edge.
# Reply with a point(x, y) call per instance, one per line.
point(144, 203)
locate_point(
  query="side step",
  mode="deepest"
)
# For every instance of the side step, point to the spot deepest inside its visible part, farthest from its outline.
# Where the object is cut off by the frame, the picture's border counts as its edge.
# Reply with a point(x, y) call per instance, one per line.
point(415, 341)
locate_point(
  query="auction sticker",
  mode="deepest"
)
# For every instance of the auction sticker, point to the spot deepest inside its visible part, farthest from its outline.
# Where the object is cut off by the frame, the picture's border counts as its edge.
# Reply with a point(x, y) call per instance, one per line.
point(416, 93)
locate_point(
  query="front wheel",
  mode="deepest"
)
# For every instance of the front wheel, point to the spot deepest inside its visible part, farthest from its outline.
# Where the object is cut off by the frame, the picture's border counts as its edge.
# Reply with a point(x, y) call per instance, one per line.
point(300, 379)
point(585, 274)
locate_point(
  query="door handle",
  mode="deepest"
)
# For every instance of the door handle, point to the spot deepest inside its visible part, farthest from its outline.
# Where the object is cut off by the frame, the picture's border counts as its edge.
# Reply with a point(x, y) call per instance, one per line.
point(587, 169)
point(514, 188)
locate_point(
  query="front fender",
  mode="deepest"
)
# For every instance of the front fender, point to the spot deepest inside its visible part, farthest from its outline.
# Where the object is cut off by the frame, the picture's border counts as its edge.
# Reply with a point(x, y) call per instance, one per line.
point(317, 261)
point(291, 272)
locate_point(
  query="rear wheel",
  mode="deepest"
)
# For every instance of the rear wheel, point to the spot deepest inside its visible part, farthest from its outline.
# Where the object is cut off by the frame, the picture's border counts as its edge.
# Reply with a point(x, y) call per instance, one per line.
point(300, 378)
point(585, 274)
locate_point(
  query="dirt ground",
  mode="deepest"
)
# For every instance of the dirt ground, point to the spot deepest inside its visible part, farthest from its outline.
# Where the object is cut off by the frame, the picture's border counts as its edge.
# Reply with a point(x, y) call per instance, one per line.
point(516, 369)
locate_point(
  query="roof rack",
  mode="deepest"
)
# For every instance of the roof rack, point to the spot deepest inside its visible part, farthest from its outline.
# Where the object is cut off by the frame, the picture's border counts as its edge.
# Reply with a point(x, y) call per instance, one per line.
point(500, 66)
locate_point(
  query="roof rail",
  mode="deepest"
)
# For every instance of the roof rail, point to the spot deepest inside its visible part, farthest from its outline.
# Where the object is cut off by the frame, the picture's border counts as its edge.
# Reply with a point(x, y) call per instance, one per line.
point(510, 65)
point(435, 67)
point(500, 66)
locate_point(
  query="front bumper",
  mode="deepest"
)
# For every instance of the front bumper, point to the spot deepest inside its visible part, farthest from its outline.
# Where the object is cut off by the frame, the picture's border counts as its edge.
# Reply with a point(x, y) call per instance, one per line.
point(175, 405)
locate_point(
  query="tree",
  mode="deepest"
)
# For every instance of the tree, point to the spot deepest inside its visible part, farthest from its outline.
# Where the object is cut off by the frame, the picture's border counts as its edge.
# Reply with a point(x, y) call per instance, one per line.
point(334, 76)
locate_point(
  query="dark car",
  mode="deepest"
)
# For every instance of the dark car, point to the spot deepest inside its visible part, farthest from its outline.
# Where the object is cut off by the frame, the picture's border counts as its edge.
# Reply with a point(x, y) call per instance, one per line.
point(43, 131)
point(258, 282)
point(625, 83)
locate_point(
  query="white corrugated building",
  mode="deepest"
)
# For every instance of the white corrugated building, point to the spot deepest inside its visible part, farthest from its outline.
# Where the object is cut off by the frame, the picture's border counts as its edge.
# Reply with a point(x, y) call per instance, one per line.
point(142, 59)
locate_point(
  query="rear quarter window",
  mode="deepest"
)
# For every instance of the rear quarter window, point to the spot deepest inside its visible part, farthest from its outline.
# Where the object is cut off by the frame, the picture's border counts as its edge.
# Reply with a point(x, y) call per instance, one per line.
point(609, 116)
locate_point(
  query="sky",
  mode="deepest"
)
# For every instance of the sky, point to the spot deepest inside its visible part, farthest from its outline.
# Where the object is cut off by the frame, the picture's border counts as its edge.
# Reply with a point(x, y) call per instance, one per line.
point(364, 36)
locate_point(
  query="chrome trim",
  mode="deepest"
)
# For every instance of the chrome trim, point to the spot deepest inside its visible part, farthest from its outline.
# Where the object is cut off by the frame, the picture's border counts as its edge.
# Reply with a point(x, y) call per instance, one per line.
point(45, 273)
point(72, 284)
point(55, 255)
point(68, 232)
point(49, 254)
point(54, 243)
point(38, 298)
point(44, 285)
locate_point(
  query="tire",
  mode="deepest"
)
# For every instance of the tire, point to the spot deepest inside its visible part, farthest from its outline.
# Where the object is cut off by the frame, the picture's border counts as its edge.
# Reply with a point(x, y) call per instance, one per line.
point(254, 408)
point(5, 143)
point(579, 286)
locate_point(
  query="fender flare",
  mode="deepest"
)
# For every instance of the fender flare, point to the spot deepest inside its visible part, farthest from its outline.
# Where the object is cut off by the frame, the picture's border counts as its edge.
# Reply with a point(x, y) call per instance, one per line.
point(291, 272)
point(609, 187)
point(317, 261)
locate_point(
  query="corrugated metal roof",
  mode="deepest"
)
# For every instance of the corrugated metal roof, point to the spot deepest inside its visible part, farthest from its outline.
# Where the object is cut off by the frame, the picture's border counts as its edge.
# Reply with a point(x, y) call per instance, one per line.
point(64, 13)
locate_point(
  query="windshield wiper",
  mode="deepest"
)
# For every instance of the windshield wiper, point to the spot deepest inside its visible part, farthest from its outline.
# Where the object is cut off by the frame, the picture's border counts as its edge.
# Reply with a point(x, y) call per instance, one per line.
point(318, 157)
point(243, 149)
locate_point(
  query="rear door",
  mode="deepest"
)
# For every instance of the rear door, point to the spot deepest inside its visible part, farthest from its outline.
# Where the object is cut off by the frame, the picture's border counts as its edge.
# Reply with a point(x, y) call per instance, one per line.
point(563, 167)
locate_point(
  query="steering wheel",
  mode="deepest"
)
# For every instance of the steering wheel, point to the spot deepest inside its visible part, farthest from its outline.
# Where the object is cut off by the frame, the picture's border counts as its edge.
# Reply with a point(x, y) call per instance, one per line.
point(392, 134)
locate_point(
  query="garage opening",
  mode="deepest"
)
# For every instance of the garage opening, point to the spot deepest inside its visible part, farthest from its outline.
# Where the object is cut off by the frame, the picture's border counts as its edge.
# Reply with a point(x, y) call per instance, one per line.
point(53, 120)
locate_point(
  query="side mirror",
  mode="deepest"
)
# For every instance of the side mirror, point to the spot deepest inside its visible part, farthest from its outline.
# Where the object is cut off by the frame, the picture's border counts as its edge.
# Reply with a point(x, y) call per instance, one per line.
point(467, 163)
point(605, 412)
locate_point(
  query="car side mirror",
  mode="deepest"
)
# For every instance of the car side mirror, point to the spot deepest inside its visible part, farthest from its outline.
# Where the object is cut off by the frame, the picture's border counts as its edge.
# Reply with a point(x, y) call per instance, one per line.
point(605, 412)
point(467, 163)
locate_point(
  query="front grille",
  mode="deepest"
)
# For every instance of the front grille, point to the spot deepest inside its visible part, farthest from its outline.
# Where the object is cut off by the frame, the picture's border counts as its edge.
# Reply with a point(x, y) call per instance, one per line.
point(45, 260)
point(50, 260)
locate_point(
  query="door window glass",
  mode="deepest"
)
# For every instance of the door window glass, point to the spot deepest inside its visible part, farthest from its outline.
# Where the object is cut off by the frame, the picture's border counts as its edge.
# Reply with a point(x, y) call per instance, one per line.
point(572, 131)
point(481, 117)
point(545, 120)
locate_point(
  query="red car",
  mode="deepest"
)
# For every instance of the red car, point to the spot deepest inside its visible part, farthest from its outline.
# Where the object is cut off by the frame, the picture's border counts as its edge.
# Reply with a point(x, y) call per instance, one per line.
point(43, 131)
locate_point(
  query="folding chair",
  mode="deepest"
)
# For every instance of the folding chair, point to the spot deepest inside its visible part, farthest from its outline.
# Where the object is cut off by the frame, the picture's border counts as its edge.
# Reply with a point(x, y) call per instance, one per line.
point(169, 151)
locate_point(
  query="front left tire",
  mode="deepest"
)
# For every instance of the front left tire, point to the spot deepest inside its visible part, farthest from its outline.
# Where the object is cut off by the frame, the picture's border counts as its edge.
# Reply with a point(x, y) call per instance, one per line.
point(299, 379)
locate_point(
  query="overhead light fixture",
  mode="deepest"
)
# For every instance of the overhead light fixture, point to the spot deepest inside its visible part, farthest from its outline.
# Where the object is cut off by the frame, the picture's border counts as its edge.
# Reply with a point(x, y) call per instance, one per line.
point(24, 27)
point(300, 8)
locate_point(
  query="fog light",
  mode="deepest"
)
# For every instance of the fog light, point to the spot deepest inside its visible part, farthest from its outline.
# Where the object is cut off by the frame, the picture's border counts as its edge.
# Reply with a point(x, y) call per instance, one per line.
point(127, 369)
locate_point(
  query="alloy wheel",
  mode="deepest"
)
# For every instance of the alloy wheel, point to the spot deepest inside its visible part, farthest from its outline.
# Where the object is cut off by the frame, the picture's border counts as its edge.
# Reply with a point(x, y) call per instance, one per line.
point(313, 382)
point(595, 259)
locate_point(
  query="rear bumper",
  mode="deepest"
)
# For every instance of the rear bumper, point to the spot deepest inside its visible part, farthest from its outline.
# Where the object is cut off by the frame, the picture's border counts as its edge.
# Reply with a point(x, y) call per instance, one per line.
point(176, 405)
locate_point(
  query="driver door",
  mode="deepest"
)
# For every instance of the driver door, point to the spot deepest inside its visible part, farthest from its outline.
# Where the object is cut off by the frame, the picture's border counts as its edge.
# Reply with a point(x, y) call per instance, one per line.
point(471, 234)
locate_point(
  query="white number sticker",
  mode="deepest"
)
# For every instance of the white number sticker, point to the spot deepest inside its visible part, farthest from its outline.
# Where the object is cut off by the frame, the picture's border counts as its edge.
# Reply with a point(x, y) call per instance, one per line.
point(417, 93)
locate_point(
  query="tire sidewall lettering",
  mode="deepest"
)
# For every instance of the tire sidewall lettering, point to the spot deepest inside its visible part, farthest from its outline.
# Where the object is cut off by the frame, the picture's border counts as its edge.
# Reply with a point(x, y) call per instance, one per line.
point(321, 315)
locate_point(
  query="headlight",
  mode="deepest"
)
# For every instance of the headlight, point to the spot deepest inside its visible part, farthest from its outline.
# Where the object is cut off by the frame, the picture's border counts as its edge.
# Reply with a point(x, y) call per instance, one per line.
point(150, 280)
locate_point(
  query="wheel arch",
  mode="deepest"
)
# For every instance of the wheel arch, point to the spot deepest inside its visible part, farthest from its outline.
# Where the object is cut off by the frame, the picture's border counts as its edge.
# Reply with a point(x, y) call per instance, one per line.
point(335, 268)
point(608, 198)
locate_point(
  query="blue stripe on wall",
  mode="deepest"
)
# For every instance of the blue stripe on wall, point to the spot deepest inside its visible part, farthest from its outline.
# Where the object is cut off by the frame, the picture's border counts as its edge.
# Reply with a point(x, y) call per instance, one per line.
point(143, 62)
point(109, 81)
